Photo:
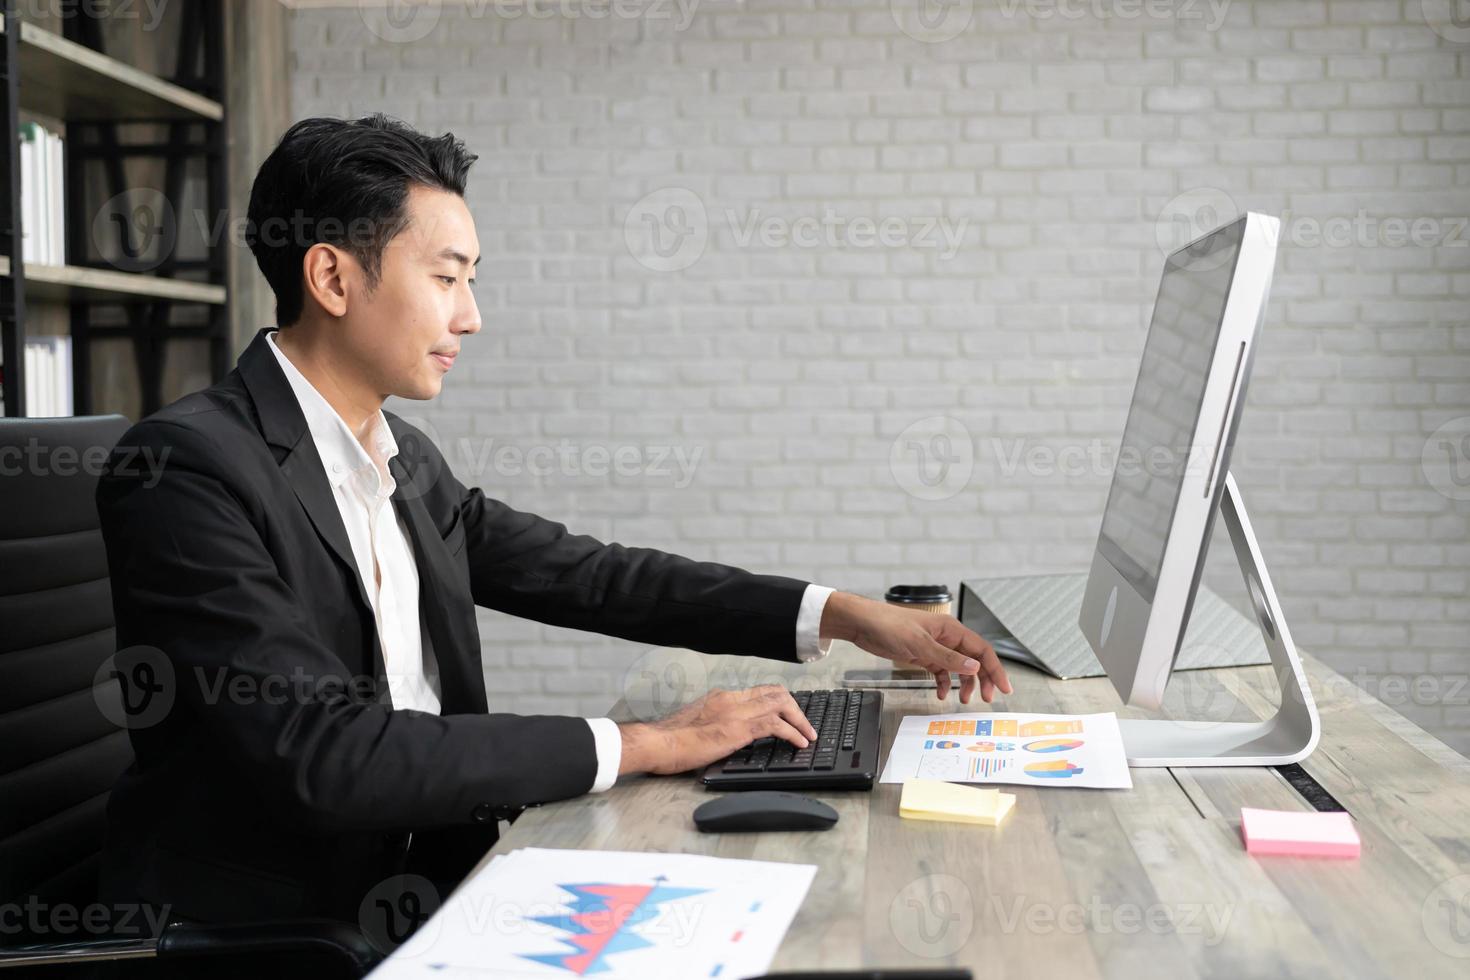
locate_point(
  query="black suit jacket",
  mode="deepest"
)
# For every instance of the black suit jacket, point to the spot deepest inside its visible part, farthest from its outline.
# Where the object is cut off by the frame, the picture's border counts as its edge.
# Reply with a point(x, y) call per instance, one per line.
point(278, 781)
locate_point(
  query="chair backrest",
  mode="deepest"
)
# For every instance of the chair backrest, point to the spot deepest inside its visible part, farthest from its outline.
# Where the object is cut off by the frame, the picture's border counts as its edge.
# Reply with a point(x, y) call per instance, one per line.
point(61, 750)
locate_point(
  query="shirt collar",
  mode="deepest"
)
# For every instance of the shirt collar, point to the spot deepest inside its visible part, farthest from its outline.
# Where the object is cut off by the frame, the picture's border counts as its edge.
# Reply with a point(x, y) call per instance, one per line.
point(343, 457)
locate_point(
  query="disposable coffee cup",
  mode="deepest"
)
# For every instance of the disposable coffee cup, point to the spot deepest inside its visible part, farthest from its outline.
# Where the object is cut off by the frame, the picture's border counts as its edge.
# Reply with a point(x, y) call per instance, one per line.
point(927, 598)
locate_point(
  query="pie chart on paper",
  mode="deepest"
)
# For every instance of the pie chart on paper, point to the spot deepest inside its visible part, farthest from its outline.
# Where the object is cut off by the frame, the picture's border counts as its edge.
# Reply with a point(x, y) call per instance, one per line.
point(1060, 769)
point(990, 747)
point(1054, 745)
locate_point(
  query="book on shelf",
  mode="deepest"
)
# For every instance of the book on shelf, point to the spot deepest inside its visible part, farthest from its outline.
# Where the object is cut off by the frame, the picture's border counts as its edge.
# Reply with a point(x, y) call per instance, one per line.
point(42, 196)
point(48, 376)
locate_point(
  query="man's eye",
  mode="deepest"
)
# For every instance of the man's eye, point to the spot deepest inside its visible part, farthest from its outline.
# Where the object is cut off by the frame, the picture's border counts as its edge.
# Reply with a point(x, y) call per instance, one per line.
point(449, 279)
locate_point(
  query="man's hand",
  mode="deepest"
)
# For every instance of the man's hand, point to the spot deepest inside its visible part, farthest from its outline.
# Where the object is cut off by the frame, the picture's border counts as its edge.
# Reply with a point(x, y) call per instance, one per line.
point(711, 728)
point(936, 642)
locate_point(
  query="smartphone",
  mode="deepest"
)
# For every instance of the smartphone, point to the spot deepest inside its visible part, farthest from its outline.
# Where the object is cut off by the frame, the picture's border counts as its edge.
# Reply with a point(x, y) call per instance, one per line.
point(909, 677)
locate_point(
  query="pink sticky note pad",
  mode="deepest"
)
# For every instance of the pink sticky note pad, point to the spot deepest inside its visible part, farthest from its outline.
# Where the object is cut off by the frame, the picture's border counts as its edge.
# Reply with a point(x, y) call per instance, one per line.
point(1306, 834)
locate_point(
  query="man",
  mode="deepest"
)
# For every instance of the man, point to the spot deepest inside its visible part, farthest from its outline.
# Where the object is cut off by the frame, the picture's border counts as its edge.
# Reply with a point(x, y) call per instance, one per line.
point(302, 569)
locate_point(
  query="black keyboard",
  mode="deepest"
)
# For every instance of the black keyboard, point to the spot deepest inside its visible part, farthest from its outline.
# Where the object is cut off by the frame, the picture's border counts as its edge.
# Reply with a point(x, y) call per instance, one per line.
point(844, 755)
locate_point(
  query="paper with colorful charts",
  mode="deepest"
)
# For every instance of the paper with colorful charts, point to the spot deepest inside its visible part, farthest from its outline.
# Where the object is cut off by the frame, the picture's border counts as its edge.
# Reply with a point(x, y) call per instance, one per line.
point(614, 915)
point(1017, 748)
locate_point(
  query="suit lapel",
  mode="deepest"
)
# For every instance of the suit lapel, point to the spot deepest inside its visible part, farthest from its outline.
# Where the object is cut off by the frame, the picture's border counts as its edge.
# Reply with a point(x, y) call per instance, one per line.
point(284, 428)
point(447, 610)
point(303, 470)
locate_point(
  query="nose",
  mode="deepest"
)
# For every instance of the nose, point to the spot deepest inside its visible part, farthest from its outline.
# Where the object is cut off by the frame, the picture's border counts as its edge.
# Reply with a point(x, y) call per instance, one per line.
point(466, 316)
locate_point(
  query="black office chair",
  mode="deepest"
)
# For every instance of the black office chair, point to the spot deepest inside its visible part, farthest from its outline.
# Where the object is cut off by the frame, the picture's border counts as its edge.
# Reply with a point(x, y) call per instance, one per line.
point(60, 753)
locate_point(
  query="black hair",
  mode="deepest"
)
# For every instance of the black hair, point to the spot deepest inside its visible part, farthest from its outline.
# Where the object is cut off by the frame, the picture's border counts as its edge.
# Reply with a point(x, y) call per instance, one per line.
point(345, 183)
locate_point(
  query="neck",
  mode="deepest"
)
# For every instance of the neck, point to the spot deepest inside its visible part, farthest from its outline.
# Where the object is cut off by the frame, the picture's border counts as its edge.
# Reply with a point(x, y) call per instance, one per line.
point(353, 399)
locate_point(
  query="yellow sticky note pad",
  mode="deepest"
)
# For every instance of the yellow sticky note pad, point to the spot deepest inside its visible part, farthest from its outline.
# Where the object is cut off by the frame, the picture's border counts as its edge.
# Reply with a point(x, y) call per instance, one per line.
point(934, 799)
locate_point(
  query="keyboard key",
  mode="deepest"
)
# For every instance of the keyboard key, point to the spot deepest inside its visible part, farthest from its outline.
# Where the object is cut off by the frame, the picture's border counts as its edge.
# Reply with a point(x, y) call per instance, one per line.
point(745, 766)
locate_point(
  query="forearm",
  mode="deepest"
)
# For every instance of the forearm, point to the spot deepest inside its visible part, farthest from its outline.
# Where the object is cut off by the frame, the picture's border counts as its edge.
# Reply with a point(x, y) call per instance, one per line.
point(644, 747)
point(841, 614)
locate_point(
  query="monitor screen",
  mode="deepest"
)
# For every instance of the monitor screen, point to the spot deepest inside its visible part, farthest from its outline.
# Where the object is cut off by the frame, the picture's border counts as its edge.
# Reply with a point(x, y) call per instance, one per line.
point(1155, 453)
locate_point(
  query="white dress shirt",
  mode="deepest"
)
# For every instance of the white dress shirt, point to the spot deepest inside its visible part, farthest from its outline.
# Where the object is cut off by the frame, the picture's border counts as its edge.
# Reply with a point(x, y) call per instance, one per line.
point(362, 487)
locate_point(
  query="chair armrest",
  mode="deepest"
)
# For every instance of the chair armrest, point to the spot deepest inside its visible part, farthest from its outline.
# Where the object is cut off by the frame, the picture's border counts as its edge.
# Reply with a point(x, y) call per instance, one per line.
point(339, 940)
point(178, 940)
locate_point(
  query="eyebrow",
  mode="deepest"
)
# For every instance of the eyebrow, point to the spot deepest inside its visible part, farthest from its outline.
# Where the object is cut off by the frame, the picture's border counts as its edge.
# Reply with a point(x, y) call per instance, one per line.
point(458, 256)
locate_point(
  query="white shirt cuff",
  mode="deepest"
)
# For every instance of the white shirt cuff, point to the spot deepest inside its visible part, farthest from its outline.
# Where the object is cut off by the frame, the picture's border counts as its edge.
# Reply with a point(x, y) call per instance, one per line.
point(809, 647)
point(609, 742)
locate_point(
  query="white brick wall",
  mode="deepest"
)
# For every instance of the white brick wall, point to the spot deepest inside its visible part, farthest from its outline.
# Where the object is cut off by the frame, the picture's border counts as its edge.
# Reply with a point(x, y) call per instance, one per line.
point(1060, 141)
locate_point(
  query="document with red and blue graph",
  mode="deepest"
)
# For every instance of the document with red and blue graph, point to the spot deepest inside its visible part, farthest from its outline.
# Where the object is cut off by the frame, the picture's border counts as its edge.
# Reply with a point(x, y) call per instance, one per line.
point(540, 913)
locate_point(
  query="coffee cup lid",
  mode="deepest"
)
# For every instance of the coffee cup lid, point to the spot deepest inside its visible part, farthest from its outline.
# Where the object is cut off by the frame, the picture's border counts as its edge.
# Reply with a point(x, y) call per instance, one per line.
point(917, 593)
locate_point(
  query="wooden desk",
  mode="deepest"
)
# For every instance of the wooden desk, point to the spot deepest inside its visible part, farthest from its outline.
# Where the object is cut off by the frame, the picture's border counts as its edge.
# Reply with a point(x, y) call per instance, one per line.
point(1148, 882)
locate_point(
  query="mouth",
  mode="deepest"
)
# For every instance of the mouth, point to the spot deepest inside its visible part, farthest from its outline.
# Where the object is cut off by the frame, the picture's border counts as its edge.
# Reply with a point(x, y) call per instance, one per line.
point(445, 361)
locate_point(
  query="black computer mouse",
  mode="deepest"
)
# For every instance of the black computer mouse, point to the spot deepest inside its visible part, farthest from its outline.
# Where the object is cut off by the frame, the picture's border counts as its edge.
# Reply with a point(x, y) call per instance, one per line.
point(763, 810)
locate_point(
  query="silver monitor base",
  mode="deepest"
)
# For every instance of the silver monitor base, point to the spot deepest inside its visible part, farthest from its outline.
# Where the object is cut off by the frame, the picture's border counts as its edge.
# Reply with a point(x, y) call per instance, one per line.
point(1288, 736)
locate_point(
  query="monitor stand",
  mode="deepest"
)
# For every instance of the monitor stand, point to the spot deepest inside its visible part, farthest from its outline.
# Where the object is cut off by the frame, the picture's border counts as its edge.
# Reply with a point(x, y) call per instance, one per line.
point(1288, 736)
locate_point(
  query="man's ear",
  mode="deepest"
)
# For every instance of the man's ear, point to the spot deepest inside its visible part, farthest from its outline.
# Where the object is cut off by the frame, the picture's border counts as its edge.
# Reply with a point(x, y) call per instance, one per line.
point(325, 271)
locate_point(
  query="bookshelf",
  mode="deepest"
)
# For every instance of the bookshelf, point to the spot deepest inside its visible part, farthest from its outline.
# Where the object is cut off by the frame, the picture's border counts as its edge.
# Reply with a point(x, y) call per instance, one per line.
point(120, 282)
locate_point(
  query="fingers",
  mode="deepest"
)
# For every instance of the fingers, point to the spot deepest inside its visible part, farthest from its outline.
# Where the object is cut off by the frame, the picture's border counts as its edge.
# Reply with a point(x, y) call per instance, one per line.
point(783, 730)
point(938, 657)
point(972, 657)
point(942, 683)
point(785, 707)
point(978, 648)
point(967, 652)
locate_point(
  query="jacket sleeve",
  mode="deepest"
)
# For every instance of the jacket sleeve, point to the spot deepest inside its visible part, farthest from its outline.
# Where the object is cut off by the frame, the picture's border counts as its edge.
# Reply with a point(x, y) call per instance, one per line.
point(532, 567)
point(192, 578)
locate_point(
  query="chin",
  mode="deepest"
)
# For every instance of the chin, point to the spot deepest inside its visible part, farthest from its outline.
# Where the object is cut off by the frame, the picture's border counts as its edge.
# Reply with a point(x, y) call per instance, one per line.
point(421, 390)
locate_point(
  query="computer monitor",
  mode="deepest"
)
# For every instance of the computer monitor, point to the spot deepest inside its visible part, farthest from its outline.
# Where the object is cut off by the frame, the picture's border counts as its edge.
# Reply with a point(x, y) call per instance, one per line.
point(1174, 457)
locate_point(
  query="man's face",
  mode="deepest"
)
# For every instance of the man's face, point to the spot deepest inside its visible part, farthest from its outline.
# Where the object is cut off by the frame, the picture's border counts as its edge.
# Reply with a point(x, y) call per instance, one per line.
point(404, 335)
